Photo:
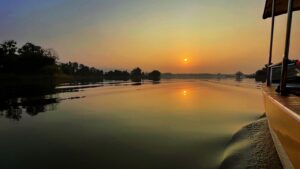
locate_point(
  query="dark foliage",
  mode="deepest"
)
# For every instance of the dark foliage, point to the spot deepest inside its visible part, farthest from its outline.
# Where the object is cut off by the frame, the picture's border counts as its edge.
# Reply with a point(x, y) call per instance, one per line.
point(29, 59)
point(261, 75)
point(136, 75)
point(75, 69)
point(239, 74)
point(154, 75)
point(117, 75)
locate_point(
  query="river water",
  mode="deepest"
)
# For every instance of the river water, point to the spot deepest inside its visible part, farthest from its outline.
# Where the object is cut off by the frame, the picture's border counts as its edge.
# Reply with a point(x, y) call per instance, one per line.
point(174, 124)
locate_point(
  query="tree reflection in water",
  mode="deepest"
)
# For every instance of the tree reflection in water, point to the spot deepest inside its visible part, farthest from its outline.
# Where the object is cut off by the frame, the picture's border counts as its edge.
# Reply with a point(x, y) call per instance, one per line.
point(31, 99)
point(37, 97)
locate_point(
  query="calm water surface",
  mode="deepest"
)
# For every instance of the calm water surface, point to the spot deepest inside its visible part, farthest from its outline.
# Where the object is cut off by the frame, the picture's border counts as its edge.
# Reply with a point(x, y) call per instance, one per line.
point(177, 124)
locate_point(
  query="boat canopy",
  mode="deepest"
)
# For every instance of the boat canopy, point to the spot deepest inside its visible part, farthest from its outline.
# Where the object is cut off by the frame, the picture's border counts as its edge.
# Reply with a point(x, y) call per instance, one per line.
point(281, 7)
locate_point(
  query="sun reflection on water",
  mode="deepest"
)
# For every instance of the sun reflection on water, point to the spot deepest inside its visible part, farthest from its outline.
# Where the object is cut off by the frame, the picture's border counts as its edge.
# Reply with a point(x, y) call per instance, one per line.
point(185, 92)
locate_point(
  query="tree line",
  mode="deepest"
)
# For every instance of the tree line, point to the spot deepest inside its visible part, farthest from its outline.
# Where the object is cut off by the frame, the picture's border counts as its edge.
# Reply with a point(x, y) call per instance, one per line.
point(76, 69)
point(31, 59)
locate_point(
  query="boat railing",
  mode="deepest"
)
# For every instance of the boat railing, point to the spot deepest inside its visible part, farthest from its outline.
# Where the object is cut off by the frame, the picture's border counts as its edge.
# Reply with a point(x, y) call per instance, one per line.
point(271, 67)
point(285, 60)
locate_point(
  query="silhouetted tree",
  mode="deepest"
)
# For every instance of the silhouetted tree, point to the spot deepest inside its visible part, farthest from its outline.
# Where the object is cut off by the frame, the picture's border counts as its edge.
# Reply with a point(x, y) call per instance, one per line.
point(29, 59)
point(32, 59)
point(261, 75)
point(239, 74)
point(154, 75)
point(136, 75)
point(117, 75)
point(36, 60)
point(75, 69)
point(8, 56)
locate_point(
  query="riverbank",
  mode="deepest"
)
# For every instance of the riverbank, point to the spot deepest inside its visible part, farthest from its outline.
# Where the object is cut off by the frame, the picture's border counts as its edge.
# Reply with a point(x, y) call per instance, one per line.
point(252, 147)
point(11, 79)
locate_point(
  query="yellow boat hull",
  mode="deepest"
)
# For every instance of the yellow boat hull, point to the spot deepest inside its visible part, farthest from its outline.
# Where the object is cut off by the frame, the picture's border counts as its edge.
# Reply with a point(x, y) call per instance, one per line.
point(284, 121)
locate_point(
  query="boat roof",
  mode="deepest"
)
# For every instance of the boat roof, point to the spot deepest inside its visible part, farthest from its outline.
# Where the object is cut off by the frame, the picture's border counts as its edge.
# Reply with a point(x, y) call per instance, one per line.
point(281, 7)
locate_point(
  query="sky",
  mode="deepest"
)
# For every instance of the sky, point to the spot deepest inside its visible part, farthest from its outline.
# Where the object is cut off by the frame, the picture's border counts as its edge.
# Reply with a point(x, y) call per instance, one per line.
point(220, 36)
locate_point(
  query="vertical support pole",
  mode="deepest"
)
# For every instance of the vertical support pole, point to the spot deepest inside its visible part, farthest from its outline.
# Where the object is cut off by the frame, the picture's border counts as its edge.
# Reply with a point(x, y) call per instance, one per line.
point(283, 89)
point(271, 74)
point(271, 45)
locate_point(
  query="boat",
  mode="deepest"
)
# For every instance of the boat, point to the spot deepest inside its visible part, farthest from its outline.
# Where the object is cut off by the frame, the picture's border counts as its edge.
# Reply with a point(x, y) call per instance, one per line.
point(281, 100)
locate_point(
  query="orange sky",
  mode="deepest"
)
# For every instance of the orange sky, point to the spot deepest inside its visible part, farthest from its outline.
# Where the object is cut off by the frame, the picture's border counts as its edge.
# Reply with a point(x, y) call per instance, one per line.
point(223, 36)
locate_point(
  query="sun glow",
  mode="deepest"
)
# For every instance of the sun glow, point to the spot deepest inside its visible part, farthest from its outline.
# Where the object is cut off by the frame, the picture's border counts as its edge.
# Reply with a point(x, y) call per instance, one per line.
point(185, 60)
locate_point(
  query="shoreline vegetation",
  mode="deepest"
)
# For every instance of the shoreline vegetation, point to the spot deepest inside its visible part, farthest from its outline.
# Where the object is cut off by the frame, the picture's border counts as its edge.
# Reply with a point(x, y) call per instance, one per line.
point(33, 64)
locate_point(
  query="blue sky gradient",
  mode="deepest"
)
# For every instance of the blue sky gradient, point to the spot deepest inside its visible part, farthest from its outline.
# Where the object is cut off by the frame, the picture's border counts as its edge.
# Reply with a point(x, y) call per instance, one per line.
point(155, 34)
